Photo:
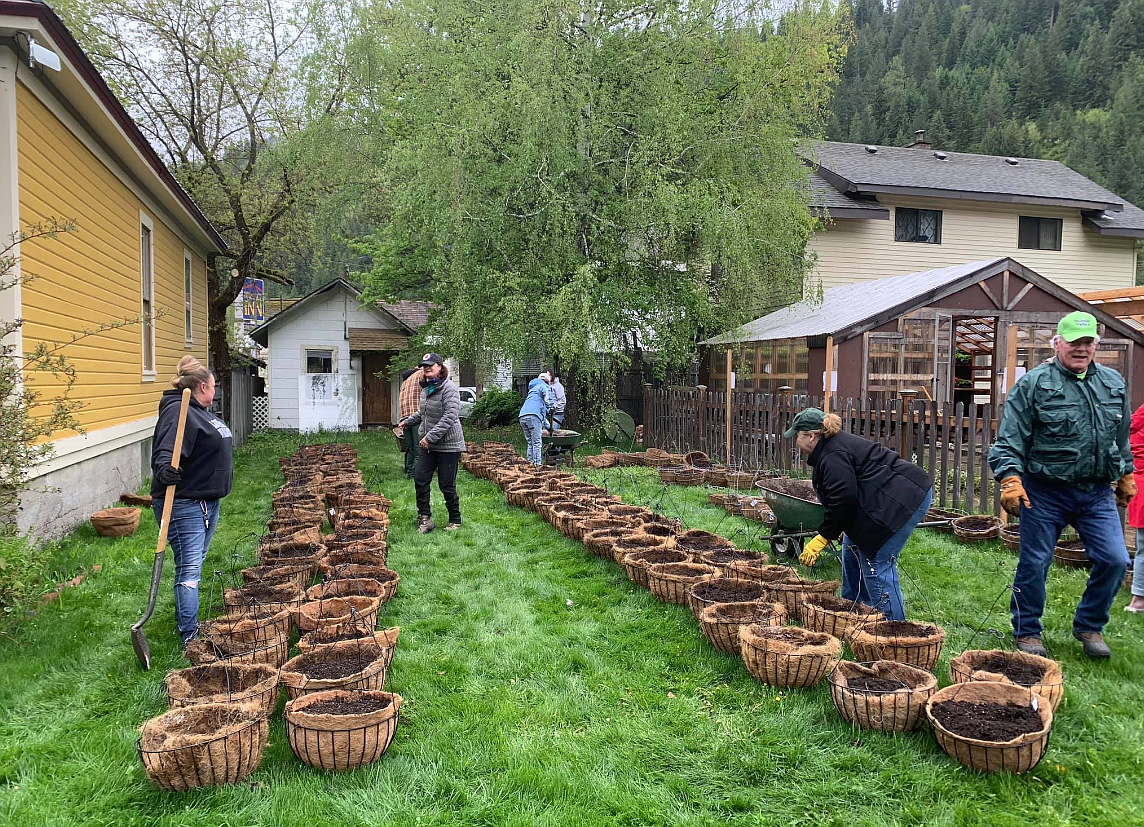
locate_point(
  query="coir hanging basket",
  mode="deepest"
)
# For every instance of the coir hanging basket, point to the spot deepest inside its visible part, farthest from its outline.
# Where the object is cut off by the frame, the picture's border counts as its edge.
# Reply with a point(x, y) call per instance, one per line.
point(224, 683)
point(786, 656)
point(1042, 675)
point(1018, 754)
point(116, 522)
point(203, 745)
point(885, 695)
point(918, 644)
point(721, 622)
point(351, 664)
point(338, 730)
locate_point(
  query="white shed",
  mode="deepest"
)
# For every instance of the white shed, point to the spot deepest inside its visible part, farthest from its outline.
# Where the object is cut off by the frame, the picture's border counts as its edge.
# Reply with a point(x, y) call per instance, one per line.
point(328, 357)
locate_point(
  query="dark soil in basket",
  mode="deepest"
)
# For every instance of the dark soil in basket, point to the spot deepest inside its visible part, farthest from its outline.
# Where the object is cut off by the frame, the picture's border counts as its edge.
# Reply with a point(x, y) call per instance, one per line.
point(987, 721)
point(976, 523)
point(292, 553)
point(787, 636)
point(803, 489)
point(1025, 674)
point(875, 686)
point(701, 541)
point(833, 603)
point(326, 668)
point(744, 613)
point(718, 593)
point(650, 558)
point(348, 634)
point(265, 592)
point(218, 678)
point(357, 706)
point(723, 556)
point(902, 628)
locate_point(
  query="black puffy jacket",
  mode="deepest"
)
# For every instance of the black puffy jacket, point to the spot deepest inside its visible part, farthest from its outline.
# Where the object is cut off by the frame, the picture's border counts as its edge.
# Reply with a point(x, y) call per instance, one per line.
point(868, 491)
point(207, 461)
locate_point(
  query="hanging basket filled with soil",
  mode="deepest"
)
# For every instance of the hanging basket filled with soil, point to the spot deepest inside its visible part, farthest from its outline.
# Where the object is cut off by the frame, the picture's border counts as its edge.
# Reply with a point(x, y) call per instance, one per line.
point(991, 726)
point(367, 541)
point(601, 542)
point(298, 574)
point(638, 541)
point(670, 582)
point(224, 683)
point(976, 528)
point(696, 541)
point(668, 474)
point(202, 745)
point(522, 494)
point(722, 558)
point(631, 513)
point(1010, 535)
point(289, 554)
point(1042, 675)
point(1071, 554)
point(545, 506)
point(721, 622)
point(355, 587)
point(787, 656)
point(793, 590)
point(740, 480)
point(906, 641)
point(332, 611)
point(660, 531)
point(593, 519)
point(336, 559)
point(337, 730)
point(937, 514)
point(351, 664)
point(600, 521)
point(328, 635)
point(267, 596)
point(256, 628)
point(835, 615)
point(352, 571)
point(204, 651)
point(636, 564)
point(758, 570)
point(291, 532)
point(116, 522)
point(719, 589)
point(697, 459)
point(565, 516)
point(689, 477)
point(885, 695)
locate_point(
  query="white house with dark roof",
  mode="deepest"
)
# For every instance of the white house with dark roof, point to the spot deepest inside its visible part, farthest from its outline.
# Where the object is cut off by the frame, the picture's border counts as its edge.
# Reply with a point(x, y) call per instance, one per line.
point(894, 210)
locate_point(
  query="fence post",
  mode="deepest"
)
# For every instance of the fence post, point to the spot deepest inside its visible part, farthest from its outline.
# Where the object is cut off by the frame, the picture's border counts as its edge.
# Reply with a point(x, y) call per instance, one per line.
point(702, 418)
point(647, 415)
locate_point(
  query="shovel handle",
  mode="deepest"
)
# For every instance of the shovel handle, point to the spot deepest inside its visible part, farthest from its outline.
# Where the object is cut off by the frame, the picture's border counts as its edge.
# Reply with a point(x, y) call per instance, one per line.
point(176, 455)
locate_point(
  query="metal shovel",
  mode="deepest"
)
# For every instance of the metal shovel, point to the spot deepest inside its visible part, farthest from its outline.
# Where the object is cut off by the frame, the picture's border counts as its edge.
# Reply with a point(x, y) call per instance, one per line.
point(138, 639)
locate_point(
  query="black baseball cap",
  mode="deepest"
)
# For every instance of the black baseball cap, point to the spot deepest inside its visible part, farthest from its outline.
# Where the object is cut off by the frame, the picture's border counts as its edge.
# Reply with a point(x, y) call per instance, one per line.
point(431, 359)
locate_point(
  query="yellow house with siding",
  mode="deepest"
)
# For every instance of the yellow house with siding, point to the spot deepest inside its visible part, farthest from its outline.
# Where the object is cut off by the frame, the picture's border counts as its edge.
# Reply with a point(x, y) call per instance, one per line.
point(133, 270)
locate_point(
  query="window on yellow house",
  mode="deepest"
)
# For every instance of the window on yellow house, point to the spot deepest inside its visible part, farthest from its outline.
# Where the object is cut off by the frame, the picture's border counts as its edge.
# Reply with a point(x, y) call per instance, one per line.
point(147, 290)
point(187, 297)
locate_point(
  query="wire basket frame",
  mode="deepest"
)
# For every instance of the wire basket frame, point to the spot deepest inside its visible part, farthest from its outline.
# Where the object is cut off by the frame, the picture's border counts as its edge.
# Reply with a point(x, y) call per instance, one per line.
point(1018, 755)
point(337, 742)
point(895, 710)
point(777, 664)
point(228, 757)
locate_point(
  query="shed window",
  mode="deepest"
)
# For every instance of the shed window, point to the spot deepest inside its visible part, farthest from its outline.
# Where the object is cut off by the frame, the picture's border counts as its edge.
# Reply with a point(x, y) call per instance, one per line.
point(1039, 233)
point(923, 226)
point(319, 361)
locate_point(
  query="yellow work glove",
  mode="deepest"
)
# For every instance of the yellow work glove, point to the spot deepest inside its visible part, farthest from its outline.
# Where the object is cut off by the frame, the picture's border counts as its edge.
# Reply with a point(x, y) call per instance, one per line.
point(1013, 496)
point(1125, 490)
point(813, 550)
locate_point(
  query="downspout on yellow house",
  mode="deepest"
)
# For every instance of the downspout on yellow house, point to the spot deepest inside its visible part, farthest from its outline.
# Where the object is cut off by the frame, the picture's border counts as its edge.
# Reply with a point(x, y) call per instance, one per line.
point(69, 151)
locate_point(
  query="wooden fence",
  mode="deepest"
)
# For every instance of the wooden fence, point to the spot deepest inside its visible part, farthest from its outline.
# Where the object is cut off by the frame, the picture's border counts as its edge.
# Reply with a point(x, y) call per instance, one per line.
point(949, 441)
point(238, 411)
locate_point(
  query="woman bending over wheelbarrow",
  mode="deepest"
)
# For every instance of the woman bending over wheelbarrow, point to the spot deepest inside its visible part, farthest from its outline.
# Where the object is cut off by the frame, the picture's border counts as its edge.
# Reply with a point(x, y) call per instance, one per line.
point(872, 497)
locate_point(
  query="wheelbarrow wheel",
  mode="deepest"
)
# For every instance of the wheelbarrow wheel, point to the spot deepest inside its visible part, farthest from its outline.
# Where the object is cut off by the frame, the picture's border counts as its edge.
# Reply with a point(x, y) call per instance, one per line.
point(786, 546)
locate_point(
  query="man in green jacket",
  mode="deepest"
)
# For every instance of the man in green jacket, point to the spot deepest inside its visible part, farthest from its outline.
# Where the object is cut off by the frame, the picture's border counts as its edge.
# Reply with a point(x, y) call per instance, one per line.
point(1062, 443)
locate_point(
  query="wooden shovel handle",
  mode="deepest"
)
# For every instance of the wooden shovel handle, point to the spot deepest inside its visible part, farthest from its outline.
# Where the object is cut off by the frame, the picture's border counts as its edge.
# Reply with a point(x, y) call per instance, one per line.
point(176, 455)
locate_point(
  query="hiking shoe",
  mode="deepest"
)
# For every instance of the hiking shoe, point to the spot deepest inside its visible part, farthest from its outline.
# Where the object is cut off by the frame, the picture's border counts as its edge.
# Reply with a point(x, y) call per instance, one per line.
point(425, 524)
point(452, 526)
point(1094, 645)
point(1032, 646)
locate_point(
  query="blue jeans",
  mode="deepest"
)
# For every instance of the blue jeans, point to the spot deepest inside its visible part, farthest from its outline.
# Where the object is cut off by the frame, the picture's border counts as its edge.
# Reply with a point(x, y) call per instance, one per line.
point(532, 426)
point(873, 578)
point(1138, 568)
point(189, 538)
point(1094, 516)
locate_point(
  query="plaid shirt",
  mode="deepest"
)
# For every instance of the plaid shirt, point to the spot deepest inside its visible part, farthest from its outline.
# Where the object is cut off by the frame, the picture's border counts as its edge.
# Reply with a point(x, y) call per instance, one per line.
point(409, 400)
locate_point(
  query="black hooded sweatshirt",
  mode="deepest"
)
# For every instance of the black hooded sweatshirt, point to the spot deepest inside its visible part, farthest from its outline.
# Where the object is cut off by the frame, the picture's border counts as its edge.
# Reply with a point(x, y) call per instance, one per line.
point(206, 456)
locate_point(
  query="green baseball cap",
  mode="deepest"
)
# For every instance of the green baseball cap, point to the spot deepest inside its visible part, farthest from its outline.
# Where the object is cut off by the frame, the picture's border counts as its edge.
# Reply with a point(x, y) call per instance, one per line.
point(808, 419)
point(1077, 325)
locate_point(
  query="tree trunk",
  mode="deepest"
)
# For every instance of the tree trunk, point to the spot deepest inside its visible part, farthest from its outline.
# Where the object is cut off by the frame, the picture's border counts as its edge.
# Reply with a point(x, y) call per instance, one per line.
point(219, 301)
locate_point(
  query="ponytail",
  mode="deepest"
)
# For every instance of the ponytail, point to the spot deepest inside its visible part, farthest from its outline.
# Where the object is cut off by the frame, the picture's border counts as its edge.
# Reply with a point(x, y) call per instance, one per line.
point(190, 374)
point(831, 425)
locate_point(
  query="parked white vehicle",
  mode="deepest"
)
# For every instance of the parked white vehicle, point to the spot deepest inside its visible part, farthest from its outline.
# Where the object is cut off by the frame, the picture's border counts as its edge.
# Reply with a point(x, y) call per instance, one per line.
point(468, 399)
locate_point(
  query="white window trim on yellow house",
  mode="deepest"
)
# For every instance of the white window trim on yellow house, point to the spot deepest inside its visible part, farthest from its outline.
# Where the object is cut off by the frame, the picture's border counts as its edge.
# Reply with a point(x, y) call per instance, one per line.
point(147, 274)
point(188, 298)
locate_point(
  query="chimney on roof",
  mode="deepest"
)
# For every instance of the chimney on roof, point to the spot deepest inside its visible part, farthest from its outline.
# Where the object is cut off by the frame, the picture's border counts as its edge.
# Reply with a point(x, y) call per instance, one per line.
point(920, 141)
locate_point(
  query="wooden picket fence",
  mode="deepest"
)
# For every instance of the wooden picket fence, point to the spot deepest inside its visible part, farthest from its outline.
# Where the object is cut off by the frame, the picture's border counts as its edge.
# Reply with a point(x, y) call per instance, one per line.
point(949, 441)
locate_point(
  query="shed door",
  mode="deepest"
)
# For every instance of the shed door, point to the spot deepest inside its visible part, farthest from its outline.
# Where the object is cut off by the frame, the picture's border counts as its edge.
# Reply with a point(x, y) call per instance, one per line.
point(375, 403)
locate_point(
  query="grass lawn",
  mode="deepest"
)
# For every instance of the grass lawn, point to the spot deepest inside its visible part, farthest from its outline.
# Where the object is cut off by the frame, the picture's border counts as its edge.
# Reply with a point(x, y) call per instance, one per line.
point(542, 688)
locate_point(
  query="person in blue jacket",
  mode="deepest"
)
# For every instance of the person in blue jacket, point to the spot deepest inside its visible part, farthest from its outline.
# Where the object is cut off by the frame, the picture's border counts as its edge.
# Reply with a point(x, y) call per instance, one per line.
point(534, 413)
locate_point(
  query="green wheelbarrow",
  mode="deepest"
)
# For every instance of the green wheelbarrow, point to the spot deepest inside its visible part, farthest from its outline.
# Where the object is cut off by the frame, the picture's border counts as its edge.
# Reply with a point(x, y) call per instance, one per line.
point(560, 446)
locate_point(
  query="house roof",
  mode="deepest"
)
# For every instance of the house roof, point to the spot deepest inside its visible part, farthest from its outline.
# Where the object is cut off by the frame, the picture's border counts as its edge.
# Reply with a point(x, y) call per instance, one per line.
point(413, 314)
point(852, 309)
point(853, 170)
point(825, 198)
point(81, 85)
point(261, 334)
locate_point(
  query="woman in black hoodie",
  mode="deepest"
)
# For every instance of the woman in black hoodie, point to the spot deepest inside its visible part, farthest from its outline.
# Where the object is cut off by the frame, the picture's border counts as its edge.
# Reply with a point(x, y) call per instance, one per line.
point(201, 480)
point(871, 494)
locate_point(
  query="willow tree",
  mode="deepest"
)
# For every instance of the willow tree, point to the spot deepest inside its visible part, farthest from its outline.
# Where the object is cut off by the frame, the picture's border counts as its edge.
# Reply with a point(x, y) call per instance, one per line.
point(569, 178)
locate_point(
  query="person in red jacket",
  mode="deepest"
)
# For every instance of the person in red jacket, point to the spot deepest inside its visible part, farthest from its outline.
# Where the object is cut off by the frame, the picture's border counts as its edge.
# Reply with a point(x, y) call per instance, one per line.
point(1136, 510)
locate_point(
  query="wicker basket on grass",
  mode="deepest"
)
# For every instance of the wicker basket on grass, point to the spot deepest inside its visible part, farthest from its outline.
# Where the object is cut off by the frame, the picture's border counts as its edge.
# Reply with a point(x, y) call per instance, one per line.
point(224, 683)
point(669, 474)
point(717, 589)
point(351, 664)
point(1042, 675)
point(937, 514)
point(1018, 754)
point(740, 480)
point(334, 611)
point(116, 522)
point(834, 615)
point(721, 622)
point(689, 477)
point(329, 635)
point(203, 745)
point(793, 590)
point(715, 476)
point(756, 510)
point(786, 656)
point(338, 730)
point(885, 695)
point(906, 641)
point(722, 558)
point(976, 528)
point(1010, 534)
point(635, 564)
point(670, 582)
point(256, 628)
